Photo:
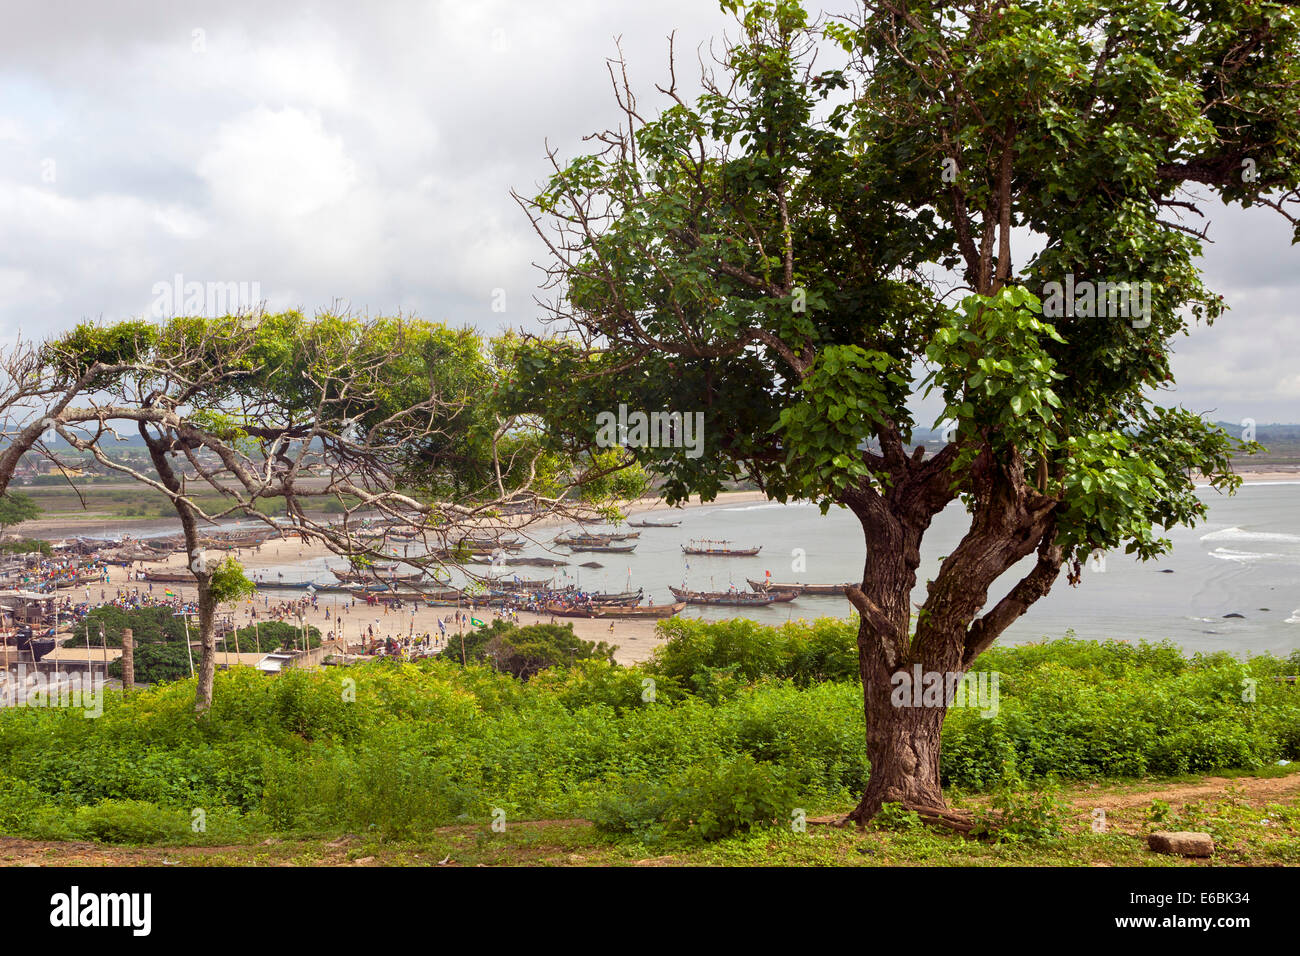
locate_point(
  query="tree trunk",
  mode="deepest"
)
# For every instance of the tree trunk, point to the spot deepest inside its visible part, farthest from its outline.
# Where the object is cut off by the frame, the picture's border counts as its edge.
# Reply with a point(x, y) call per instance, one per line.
point(902, 745)
point(128, 660)
point(208, 643)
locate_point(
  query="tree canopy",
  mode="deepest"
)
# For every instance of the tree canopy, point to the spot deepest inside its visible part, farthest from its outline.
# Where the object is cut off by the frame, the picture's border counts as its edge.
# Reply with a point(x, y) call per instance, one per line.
point(806, 251)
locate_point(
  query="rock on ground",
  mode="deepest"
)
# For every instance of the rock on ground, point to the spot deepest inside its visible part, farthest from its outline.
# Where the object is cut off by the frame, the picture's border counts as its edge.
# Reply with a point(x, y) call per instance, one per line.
point(1181, 843)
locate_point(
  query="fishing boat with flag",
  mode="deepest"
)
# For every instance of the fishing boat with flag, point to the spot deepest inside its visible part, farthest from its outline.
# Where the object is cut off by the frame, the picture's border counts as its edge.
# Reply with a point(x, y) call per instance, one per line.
point(812, 590)
point(732, 598)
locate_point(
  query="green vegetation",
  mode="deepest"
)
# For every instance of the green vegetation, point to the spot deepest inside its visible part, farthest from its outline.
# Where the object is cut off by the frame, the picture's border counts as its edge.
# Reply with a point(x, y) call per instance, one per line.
point(113, 499)
point(525, 651)
point(397, 751)
point(15, 508)
point(148, 625)
point(269, 636)
point(160, 626)
point(785, 251)
point(26, 546)
point(155, 663)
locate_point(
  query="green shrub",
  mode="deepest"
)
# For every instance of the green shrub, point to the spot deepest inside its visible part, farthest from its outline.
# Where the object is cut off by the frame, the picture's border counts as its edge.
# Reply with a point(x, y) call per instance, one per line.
point(1019, 814)
point(709, 801)
point(131, 821)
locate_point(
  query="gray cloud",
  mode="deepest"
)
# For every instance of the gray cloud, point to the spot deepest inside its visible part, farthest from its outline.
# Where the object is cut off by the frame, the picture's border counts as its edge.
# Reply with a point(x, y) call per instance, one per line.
point(337, 150)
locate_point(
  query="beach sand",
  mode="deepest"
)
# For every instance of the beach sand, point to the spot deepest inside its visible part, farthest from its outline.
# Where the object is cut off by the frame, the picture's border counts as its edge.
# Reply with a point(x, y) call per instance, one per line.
point(636, 639)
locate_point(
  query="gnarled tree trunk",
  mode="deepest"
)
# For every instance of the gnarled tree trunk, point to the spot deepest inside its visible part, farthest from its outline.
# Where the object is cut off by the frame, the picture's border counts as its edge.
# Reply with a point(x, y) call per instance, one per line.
point(909, 674)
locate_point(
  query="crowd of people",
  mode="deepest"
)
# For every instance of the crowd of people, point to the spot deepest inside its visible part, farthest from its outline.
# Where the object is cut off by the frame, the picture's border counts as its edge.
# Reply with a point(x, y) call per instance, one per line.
point(52, 573)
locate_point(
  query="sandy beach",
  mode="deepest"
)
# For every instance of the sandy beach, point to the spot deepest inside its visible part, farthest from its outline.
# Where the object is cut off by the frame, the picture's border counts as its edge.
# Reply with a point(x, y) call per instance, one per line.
point(351, 619)
point(635, 640)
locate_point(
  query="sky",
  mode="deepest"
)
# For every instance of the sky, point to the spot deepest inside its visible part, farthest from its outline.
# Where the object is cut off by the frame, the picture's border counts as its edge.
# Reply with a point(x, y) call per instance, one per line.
point(362, 155)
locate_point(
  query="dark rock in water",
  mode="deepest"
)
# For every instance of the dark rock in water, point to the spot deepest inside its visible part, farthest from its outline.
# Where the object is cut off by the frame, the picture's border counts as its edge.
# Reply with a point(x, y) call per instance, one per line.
point(1263, 609)
point(1234, 614)
point(1166, 570)
point(591, 564)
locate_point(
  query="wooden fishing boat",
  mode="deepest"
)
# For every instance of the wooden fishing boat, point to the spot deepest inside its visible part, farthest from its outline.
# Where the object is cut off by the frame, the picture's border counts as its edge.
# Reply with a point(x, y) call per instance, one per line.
point(289, 585)
point(569, 540)
point(828, 590)
point(761, 586)
point(535, 563)
point(618, 597)
point(654, 524)
point(427, 597)
point(719, 549)
point(169, 577)
point(604, 548)
point(81, 579)
point(727, 598)
point(616, 610)
point(383, 576)
point(526, 584)
point(575, 610)
point(643, 610)
point(489, 544)
point(624, 535)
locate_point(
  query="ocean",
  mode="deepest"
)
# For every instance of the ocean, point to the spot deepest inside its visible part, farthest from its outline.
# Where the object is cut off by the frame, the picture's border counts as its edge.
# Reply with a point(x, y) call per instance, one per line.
point(1244, 560)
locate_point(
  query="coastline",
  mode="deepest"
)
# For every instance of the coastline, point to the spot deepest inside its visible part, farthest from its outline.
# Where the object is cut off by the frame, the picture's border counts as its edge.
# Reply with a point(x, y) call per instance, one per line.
point(65, 526)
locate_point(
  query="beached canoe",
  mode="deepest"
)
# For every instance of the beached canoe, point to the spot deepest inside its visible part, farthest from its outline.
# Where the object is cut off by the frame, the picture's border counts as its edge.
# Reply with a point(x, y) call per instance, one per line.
point(652, 611)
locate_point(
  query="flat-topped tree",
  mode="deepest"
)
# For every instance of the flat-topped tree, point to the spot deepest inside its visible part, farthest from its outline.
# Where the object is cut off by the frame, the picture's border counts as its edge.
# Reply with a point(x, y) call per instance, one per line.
point(390, 418)
point(782, 254)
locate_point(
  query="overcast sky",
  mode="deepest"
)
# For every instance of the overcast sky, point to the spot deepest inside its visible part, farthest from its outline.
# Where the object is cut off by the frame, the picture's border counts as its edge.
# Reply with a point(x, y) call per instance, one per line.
point(365, 153)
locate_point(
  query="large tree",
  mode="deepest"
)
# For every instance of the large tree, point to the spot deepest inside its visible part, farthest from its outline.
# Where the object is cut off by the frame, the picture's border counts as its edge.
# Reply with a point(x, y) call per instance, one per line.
point(806, 248)
point(392, 419)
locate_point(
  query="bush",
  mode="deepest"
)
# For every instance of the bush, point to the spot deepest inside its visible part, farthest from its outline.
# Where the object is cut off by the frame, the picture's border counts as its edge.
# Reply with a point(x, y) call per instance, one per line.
point(131, 821)
point(1018, 814)
point(525, 651)
point(273, 635)
point(149, 625)
point(27, 546)
point(404, 747)
point(155, 663)
point(709, 800)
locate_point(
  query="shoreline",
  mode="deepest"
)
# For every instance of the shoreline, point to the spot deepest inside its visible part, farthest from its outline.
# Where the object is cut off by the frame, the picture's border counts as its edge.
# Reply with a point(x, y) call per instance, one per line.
point(64, 526)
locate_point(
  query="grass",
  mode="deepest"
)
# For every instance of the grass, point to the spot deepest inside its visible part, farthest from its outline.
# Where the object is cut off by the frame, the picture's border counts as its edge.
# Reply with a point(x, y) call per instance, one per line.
point(751, 727)
point(123, 500)
point(1250, 828)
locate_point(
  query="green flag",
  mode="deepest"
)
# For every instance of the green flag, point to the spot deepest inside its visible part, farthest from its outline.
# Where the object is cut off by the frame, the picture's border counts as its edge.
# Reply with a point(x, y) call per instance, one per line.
point(476, 622)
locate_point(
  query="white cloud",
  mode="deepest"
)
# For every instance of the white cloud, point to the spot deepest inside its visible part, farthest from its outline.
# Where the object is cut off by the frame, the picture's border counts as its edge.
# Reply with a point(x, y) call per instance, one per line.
point(276, 166)
point(334, 150)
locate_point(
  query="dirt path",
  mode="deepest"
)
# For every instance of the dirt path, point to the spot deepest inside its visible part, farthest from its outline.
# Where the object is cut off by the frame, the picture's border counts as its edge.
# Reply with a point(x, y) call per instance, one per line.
point(1253, 790)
